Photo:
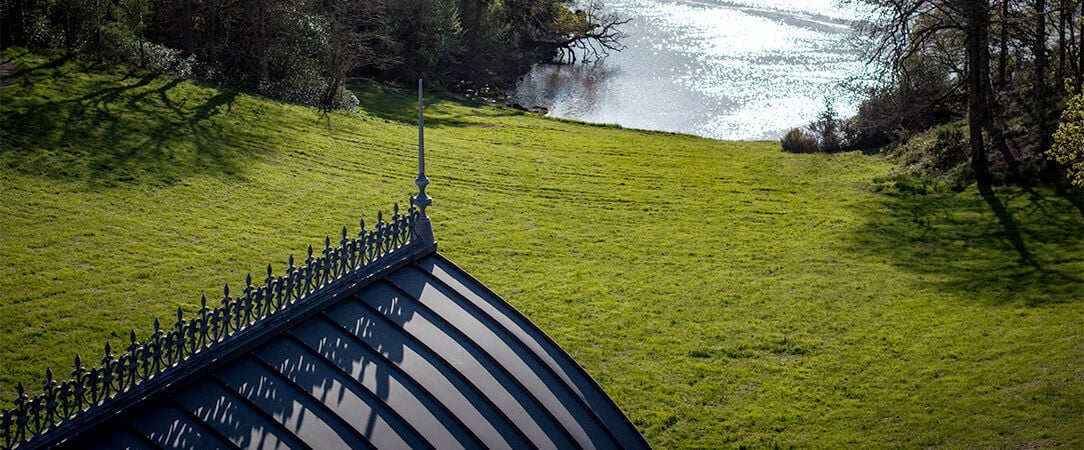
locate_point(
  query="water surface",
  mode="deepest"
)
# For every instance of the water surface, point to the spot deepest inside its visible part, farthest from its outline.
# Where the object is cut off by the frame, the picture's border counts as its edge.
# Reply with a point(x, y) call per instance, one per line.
point(742, 70)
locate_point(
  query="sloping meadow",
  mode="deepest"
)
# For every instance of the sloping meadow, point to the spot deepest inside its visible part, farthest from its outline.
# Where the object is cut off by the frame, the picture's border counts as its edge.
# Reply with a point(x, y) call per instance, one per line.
point(723, 293)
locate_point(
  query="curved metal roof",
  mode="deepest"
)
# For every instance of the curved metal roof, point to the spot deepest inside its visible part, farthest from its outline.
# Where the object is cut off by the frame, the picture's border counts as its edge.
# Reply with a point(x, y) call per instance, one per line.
point(422, 357)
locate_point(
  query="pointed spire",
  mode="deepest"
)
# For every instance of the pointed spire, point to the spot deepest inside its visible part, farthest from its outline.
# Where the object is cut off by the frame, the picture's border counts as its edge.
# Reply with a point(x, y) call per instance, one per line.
point(423, 229)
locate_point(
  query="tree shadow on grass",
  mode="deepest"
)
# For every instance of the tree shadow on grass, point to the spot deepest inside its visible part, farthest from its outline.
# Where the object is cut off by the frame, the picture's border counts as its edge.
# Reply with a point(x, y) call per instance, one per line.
point(58, 60)
point(1074, 194)
point(401, 105)
point(1012, 230)
point(1012, 246)
point(67, 121)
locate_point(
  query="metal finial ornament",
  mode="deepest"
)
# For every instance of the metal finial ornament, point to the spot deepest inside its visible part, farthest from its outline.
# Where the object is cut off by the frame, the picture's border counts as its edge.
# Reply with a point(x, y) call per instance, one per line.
point(423, 229)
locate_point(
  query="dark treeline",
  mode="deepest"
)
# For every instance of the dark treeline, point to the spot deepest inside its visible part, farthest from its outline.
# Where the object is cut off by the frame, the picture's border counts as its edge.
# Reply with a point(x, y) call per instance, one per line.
point(304, 50)
point(1006, 66)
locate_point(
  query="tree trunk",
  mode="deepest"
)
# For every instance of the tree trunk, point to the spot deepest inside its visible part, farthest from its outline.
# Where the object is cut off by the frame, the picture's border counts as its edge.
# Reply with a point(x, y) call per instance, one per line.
point(12, 26)
point(261, 38)
point(1062, 20)
point(188, 22)
point(1003, 56)
point(1040, 88)
point(1071, 45)
point(978, 86)
point(469, 18)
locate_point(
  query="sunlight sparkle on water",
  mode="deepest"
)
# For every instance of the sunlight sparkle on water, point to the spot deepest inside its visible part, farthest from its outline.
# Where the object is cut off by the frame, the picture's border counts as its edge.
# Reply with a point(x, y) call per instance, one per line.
point(723, 69)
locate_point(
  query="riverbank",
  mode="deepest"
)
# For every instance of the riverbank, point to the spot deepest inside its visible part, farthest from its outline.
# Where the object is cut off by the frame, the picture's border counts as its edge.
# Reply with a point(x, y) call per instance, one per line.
point(724, 293)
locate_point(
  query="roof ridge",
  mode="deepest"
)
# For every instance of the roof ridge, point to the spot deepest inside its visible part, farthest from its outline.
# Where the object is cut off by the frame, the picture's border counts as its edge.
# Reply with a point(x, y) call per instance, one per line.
point(167, 349)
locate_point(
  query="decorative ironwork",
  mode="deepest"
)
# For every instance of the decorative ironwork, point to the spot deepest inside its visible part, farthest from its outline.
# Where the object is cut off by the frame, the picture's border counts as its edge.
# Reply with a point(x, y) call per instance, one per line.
point(119, 373)
point(422, 200)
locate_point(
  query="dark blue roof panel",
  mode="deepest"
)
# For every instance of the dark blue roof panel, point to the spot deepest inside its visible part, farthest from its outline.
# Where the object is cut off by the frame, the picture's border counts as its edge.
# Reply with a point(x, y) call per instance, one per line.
point(424, 356)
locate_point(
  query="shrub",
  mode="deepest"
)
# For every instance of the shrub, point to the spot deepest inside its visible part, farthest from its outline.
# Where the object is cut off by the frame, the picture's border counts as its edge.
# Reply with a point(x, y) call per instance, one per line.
point(827, 134)
point(1068, 148)
point(301, 84)
point(798, 141)
point(912, 104)
point(940, 155)
point(828, 129)
point(158, 58)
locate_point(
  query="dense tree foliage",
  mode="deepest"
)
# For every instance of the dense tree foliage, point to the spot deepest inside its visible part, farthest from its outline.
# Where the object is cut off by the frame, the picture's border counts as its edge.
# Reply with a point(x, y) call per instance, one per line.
point(303, 50)
point(1000, 64)
point(1068, 148)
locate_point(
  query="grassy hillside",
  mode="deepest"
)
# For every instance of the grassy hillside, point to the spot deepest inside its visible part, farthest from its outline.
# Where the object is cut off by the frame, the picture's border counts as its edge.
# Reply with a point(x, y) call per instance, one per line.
point(723, 293)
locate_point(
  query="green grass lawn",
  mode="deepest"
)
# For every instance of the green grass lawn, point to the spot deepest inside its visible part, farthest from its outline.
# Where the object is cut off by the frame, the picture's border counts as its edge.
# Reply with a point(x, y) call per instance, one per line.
point(724, 293)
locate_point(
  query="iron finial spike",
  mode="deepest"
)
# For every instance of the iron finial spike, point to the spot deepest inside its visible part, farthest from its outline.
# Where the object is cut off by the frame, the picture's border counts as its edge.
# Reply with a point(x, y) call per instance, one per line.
point(421, 132)
point(423, 230)
point(422, 181)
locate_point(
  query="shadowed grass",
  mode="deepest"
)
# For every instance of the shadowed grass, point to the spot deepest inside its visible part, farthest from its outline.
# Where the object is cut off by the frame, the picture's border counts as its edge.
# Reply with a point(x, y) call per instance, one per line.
point(70, 129)
point(725, 294)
